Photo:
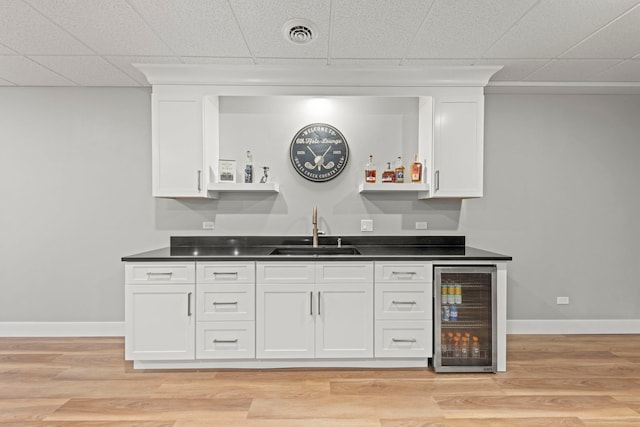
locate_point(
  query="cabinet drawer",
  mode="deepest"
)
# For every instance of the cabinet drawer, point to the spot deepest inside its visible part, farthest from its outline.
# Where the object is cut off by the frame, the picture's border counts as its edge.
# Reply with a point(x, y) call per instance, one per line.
point(285, 272)
point(344, 272)
point(403, 272)
point(225, 340)
point(396, 338)
point(225, 272)
point(225, 302)
point(406, 302)
point(160, 272)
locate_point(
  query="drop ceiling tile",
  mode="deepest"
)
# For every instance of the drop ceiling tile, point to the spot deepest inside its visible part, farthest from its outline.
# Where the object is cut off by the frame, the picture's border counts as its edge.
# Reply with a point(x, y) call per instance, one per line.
point(626, 71)
point(124, 64)
point(552, 27)
point(375, 28)
point(465, 29)
point(86, 70)
point(108, 27)
point(620, 39)
point(514, 69)
point(26, 31)
point(212, 60)
point(566, 70)
point(21, 71)
point(194, 28)
point(292, 61)
point(438, 62)
point(262, 21)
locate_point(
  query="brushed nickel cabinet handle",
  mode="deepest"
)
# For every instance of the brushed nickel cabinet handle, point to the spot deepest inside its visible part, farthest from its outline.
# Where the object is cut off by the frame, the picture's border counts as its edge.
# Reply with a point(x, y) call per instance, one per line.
point(199, 180)
point(225, 303)
point(311, 303)
point(225, 274)
point(189, 304)
point(159, 276)
point(225, 341)
point(437, 180)
point(403, 340)
point(404, 302)
point(318, 303)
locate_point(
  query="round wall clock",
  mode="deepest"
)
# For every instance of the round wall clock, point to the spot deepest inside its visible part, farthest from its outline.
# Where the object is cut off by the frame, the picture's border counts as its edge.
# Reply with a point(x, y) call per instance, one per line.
point(319, 152)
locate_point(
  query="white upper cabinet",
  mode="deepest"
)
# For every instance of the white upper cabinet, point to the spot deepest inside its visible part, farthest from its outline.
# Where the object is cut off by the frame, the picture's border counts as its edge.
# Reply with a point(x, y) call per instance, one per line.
point(186, 120)
point(184, 143)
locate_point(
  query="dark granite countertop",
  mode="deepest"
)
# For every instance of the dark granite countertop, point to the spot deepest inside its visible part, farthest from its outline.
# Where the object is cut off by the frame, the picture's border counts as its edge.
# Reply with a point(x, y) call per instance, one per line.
point(369, 248)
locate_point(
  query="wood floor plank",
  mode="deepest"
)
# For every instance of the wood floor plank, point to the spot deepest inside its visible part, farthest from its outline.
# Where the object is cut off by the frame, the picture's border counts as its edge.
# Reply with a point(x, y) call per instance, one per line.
point(552, 380)
point(86, 409)
point(487, 422)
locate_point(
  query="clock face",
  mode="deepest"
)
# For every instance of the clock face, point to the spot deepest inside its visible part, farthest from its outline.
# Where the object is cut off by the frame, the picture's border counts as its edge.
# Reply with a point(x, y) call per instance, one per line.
point(319, 152)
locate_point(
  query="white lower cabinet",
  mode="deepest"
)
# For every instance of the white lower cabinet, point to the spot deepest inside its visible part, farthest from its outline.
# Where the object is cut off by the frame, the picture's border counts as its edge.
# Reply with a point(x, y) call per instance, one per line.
point(325, 312)
point(403, 310)
point(225, 295)
point(159, 314)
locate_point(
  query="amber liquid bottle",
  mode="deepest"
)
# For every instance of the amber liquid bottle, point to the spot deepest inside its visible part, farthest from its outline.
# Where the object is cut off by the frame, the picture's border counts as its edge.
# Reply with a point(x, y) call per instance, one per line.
point(388, 175)
point(416, 170)
point(370, 172)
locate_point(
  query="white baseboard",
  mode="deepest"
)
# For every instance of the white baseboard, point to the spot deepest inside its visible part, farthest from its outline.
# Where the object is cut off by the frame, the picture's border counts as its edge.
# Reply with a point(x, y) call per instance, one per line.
point(61, 329)
point(608, 326)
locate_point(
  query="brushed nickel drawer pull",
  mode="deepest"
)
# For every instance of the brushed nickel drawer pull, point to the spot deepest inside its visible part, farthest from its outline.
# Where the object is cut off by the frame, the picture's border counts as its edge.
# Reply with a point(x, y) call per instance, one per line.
point(158, 276)
point(225, 273)
point(189, 313)
point(225, 303)
point(225, 341)
point(403, 340)
point(404, 302)
point(403, 273)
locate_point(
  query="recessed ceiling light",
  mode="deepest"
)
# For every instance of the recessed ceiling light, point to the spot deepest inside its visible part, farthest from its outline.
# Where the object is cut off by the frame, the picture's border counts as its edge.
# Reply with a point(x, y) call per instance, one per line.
point(300, 31)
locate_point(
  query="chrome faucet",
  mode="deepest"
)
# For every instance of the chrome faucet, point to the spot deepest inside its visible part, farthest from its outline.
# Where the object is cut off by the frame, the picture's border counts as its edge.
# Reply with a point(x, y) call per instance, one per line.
point(316, 232)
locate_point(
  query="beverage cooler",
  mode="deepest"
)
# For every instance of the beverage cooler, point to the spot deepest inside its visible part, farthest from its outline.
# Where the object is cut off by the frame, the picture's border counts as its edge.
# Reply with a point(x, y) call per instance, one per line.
point(465, 319)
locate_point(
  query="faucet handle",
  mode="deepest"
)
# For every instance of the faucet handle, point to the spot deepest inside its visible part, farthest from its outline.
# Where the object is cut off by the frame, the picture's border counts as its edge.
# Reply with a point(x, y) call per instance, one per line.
point(339, 242)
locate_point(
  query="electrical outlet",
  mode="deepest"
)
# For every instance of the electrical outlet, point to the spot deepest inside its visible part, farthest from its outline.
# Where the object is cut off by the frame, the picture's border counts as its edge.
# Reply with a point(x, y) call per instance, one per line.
point(562, 300)
point(366, 225)
point(421, 225)
point(208, 225)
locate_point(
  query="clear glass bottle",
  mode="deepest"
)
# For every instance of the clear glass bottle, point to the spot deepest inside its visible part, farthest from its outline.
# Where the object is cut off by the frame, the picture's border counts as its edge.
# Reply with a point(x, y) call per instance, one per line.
point(399, 170)
point(475, 347)
point(416, 170)
point(388, 175)
point(248, 168)
point(464, 347)
point(370, 171)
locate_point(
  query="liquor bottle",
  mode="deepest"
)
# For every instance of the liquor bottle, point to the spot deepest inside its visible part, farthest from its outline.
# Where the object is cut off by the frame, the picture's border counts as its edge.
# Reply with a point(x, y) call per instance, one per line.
point(399, 170)
point(248, 168)
point(388, 175)
point(370, 172)
point(416, 170)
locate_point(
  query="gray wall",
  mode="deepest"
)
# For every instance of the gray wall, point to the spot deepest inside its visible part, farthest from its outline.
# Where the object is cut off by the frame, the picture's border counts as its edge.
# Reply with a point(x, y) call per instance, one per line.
point(560, 196)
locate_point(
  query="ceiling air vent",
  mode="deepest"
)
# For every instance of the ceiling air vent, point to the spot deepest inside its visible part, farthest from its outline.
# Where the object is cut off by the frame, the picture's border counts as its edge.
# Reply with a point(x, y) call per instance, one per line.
point(300, 31)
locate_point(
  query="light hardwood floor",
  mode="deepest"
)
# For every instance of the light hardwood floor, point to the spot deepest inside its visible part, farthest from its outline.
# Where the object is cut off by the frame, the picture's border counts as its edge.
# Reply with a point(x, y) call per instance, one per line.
point(573, 380)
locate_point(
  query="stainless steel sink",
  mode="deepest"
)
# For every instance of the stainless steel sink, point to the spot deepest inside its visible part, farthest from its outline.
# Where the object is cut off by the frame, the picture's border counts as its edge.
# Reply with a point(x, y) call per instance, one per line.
point(310, 250)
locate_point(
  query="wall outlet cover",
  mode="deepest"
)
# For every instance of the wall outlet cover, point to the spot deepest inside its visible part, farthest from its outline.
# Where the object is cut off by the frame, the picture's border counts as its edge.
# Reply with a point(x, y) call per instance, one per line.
point(562, 300)
point(208, 225)
point(421, 225)
point(366, 225)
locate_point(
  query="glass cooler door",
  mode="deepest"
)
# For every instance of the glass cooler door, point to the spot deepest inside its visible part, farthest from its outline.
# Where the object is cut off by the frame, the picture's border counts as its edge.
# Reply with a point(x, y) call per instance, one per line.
point(465, 322)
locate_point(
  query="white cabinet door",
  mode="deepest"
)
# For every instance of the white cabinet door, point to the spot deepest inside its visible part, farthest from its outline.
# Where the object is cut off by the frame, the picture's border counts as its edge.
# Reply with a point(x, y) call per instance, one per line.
point(285, 321)
point(160, 323)
point(344, 321)
point(181, 150)
point(458, 148)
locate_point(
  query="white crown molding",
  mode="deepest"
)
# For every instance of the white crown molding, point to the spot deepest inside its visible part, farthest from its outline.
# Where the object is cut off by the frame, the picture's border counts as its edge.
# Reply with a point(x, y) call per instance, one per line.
point(329, 76)
point(574, 327)
point(562, 88)
point(61, 329)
